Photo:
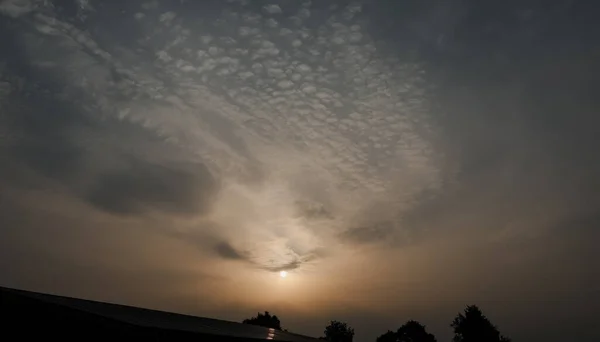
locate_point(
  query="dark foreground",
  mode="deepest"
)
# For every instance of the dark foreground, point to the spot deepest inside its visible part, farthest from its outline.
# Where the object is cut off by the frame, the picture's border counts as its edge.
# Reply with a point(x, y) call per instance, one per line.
point(26, 314)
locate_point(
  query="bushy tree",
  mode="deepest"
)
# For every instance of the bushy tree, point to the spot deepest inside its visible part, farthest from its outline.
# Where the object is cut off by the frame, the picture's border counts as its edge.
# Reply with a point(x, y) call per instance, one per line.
point(411, 331)
point(474, 326)
point(338, 332)
point(264, 320)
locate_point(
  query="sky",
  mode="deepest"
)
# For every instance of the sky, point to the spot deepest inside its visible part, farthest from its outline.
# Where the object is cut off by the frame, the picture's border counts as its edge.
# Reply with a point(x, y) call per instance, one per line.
point(399, 159)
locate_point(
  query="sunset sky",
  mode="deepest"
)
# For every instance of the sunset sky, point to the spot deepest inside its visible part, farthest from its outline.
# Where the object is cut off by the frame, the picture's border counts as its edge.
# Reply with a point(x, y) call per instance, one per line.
point(399, 159)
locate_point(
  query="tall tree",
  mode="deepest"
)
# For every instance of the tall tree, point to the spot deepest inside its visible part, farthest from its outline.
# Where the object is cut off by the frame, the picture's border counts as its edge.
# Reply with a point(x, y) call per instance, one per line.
point(264, 320)
point(474, 326)
point(338, 332)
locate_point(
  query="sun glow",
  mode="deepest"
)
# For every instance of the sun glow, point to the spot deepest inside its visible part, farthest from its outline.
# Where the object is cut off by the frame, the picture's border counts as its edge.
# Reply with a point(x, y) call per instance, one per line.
point(283, 274)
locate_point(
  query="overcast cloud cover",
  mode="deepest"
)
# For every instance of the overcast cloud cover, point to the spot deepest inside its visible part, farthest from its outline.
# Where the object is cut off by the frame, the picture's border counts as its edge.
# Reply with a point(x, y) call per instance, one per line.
point(400, 159)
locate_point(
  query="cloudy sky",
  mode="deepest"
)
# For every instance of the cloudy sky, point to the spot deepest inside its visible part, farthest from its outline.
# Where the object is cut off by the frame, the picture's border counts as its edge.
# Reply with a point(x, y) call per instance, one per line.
point(399, 159)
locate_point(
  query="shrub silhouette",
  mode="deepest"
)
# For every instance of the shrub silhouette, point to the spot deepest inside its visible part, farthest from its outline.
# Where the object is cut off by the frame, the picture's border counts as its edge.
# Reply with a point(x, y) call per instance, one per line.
point(264, 320)
point(338, 332)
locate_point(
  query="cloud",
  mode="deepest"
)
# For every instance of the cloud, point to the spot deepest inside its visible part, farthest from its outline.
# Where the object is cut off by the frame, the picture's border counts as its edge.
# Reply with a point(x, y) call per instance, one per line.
point(226, 251)
point(40, 134)
point(142, 186)
point(297, 262)
point(369, 234)
point(286, 138)
point(253, 258)
point(16, 8)
point(292, 265)
point(313, 210)
point(56, 140)
point(272, 9)
point(302, 117)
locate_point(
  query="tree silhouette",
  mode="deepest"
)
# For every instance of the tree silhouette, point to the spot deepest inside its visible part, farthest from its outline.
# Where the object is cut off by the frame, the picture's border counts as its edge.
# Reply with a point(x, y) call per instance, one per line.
point(473, 326)
point(264, 320)
point(411, 331)
point(389, 336)
point(338, 332)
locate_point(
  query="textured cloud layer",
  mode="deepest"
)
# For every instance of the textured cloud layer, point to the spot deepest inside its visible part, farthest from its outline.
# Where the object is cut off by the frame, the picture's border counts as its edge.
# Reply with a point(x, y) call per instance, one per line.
point(399, 158)
point(281, 104)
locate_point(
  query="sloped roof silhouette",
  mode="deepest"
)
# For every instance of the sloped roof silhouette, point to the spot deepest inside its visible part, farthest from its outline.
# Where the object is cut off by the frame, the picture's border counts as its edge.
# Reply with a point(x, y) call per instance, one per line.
point(148, 318)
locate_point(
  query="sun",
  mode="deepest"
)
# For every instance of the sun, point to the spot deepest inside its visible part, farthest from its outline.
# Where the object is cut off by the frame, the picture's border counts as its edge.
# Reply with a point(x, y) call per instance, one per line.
point(283, 274)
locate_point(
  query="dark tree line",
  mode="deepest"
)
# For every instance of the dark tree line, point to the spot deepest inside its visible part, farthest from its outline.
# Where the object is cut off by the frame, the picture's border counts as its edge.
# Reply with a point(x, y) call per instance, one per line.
point(469, 326)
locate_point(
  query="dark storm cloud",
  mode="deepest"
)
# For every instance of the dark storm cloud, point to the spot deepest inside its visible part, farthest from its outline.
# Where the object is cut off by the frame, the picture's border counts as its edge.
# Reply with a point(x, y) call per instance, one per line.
point(514, 97)
point(522, 122)
point(526, 112)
